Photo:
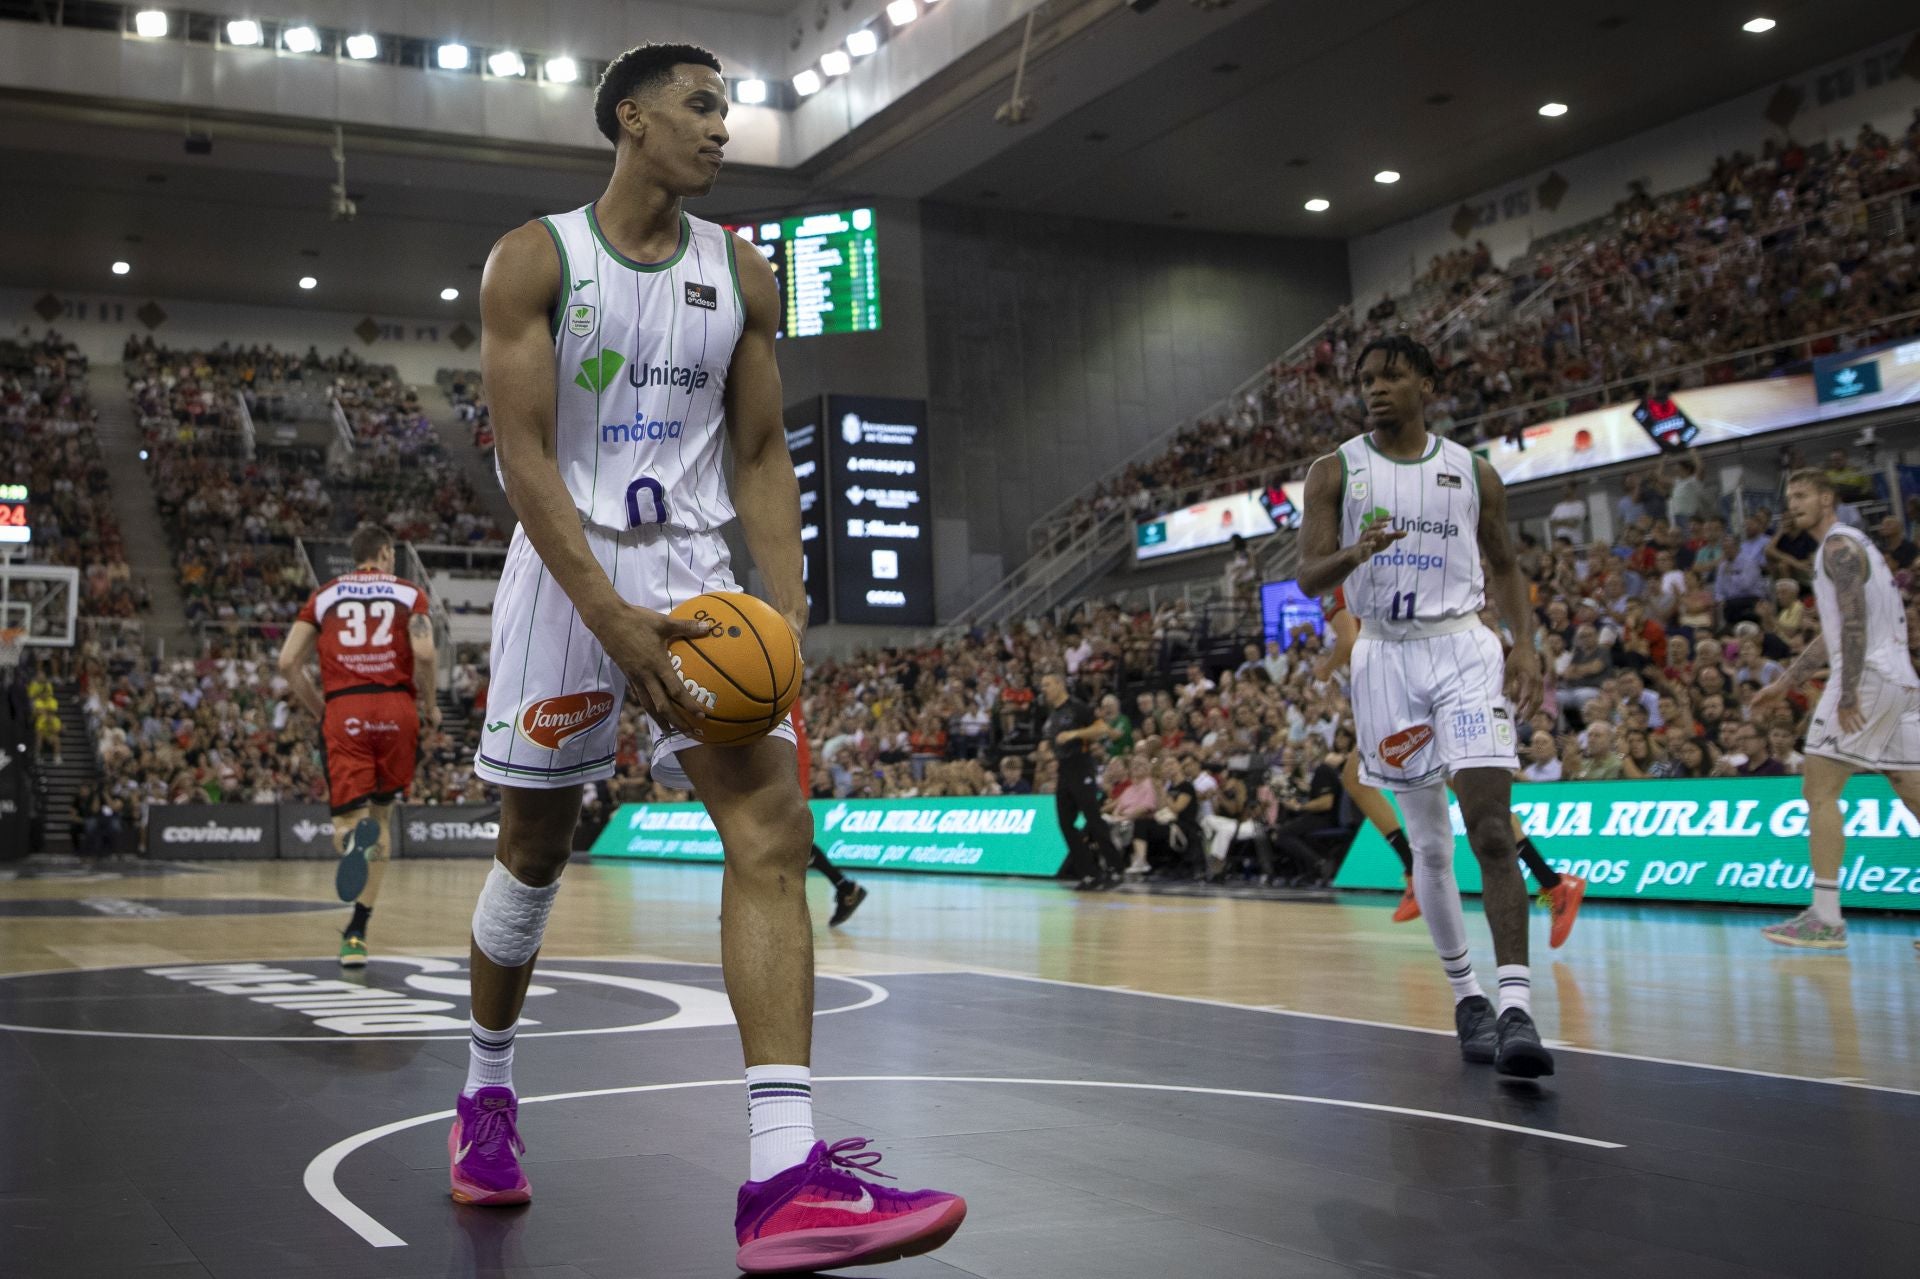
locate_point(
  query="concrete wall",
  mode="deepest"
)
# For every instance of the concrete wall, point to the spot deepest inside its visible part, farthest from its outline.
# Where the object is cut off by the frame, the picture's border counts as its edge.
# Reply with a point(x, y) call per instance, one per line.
point(1839, 98)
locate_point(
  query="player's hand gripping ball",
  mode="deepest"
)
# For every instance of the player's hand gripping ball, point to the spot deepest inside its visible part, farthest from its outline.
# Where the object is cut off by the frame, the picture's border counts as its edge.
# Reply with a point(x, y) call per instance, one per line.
point(745, 670)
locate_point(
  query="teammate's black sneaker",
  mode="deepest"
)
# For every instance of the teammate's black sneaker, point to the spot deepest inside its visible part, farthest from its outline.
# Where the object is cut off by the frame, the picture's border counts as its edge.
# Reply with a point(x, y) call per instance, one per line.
point(1473, 1020)
point(1521, 1052)
point(846, 900)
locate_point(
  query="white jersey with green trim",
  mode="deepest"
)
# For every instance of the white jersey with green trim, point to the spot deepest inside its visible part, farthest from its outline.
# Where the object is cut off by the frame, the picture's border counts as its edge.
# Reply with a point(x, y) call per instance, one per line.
point(642, 352)
point(1433, 573)
point(1886, 649)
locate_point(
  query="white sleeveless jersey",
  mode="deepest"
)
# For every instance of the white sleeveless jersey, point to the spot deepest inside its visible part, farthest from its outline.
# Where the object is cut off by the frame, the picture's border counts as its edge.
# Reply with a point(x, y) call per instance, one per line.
point(1433, 573)
point(1887, 654)
point(642, 353)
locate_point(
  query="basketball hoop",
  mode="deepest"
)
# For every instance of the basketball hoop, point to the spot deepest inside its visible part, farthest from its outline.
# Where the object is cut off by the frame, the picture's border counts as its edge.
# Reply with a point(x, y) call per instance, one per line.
point(13, 642)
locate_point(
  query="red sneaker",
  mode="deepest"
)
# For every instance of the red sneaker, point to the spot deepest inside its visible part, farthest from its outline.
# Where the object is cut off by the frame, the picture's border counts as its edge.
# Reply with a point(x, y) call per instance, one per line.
point(1564, 899)
point(1409, 907)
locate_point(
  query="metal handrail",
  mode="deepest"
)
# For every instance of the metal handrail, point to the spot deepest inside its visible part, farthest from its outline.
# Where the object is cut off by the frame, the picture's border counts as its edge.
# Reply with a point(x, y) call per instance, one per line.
point(245, 415)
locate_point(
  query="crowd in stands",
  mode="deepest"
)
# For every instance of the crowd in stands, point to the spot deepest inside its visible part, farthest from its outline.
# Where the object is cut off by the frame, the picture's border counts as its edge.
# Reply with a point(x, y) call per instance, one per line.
point(49, 445)
point(469, 400)
point(1792, 244)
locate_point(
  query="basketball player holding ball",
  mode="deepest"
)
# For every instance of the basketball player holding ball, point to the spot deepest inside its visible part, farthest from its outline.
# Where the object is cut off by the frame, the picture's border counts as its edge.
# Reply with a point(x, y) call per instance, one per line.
point(623, 344)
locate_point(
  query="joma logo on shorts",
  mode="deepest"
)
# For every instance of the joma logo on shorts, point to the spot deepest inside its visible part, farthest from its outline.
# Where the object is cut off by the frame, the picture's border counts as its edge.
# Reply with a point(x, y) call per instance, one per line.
point(1405, 744)
point(550, 721)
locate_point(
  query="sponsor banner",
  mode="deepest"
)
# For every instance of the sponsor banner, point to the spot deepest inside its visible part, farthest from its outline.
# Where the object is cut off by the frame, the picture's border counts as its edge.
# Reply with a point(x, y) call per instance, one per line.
point(202, 832)
point(447, 830)
point(1732, 840)
point(1214, 522)
point(982, 835)
point(1835, 387)
point(880, 537)
point(306, 832)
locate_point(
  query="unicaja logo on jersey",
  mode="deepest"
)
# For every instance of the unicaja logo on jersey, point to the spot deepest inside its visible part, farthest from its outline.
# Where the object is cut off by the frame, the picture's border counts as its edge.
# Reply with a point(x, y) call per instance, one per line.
point(551, 721)
point(678, 376)
point(597, 372)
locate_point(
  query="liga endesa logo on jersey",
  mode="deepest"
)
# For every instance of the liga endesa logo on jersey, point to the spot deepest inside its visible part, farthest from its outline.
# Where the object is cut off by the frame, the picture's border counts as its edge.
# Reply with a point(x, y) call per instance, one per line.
point(1405, 744)
point(551, 721)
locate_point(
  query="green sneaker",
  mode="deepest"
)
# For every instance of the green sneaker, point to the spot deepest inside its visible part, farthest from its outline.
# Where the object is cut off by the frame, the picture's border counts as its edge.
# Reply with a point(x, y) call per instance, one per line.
point(1807, 932)
point(353, 951)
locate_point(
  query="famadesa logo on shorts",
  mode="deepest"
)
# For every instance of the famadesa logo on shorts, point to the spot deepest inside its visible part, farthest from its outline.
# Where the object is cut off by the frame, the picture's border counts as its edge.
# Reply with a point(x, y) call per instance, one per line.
point(1405, 744)
point(551, 721)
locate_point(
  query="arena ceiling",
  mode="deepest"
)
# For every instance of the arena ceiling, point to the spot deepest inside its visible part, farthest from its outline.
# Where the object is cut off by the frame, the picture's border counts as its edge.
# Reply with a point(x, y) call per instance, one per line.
point(1223, 119)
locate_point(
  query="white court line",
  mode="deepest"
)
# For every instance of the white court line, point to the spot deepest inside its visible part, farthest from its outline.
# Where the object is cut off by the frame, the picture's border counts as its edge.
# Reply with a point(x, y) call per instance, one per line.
point(319, 1182)
point(876, 994)
point(1276, 1010)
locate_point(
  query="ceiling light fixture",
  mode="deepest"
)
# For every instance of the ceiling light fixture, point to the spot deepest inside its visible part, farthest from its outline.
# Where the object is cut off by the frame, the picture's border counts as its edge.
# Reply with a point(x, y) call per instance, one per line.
point(121, 268)
point(244, 32)
point(750, 92)
point(308, 282)
point(362, 47)
point(807, 83)
point(836, 62)
point(151, 23)
point(561, 70)
point(300, 40)
point(1758, 26)
point(506, 64)
point(1318, 205)
point(449, 295)
point(1553, 110)
point(862, 42)
point(1387, 177)
point(451, 57)
point(901, 12)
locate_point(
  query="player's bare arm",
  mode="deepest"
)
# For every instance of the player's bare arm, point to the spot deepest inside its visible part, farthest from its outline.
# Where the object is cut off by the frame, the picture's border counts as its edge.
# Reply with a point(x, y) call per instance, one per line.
point(1324, 563)
point(1508, 587)
point(520, 287)
point(766, 493)
point(425, 668)
point(294, 656)
point(1812, 660)
point(1346, 631)
point(1847, 567)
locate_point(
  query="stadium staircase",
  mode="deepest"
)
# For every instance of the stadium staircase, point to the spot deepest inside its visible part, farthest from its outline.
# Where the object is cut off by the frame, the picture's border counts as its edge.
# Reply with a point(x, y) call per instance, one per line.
point(78, 769)
point(453, 719)
point(148, 549)
point(456, 440)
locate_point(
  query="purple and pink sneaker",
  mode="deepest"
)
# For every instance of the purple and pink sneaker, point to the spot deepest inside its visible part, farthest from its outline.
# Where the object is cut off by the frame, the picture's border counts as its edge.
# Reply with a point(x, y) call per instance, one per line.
point(482, 1146)
point(818, 1214)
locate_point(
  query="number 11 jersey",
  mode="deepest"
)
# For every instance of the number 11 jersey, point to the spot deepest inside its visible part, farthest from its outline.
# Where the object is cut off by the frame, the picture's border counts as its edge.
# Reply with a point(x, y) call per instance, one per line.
point(1433, 573)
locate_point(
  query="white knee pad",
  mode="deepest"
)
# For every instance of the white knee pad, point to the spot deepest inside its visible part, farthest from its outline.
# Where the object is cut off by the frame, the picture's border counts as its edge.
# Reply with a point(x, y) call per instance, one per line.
point(511, 918)
point(1428, 825)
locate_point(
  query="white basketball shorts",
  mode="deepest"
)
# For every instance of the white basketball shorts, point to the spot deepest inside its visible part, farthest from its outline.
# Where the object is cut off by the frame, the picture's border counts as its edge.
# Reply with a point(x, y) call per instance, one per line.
point(553, 699)
point(1890, 740)
point(1424, 709)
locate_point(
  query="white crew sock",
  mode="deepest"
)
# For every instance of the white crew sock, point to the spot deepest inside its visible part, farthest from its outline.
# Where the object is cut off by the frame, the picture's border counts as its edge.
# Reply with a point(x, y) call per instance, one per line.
point(1826, 900)
point(779, 1118)
point(1516, 988)
point(489, 1058)
point(1430, 836)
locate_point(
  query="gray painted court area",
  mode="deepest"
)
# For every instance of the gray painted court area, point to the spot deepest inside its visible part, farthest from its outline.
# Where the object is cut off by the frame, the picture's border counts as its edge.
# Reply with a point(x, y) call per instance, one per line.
point(1094, 1133)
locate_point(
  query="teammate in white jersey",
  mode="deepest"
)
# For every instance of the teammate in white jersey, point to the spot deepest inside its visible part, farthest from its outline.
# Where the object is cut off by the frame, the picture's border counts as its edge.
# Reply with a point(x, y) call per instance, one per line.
point(1868, 716)
point(619, 342)
point(1401, 519)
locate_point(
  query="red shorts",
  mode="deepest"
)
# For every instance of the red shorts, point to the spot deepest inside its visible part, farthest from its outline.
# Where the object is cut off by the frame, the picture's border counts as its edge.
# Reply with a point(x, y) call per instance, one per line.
point(371, 739)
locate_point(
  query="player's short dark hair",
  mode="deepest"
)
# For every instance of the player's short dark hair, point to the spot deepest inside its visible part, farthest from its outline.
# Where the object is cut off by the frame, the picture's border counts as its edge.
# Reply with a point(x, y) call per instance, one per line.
point(1813, 477)
point(1399, 346)
point(368, 541)
point(643, 67)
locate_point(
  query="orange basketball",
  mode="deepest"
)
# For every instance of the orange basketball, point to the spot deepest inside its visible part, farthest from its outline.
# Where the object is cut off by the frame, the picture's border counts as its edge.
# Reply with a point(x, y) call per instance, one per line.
point(746, 671)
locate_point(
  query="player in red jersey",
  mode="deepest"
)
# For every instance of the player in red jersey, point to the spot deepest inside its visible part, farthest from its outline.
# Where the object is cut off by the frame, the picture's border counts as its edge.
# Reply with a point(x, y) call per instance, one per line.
point(376, 660)
point(847, 894)
point(1560, 893)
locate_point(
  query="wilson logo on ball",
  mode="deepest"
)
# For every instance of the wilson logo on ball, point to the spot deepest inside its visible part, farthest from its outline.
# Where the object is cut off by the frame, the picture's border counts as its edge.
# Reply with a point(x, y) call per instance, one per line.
point(1405, 744)
point(700, 692)
point(552, 720)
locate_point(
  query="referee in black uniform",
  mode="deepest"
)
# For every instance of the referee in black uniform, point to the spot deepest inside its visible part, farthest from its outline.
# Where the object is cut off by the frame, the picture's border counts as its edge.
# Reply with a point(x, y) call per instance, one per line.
point(1071, 724)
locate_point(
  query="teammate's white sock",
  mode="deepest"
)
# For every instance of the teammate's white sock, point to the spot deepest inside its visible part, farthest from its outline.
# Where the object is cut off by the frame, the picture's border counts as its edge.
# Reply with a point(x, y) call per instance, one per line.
point(779, 1118)
point(1430, 834)
point(1826, 900)
point(489, 1058)
point(1516, 988)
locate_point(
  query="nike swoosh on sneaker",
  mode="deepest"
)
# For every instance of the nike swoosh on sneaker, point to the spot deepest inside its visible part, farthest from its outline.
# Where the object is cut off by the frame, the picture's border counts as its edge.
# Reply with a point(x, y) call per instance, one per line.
point(462, 1155)
point(864, 1204)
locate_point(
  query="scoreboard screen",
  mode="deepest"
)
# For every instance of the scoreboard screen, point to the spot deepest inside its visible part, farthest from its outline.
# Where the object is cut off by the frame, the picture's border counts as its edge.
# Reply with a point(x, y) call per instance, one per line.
point(827, 267)
point(15, 527)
